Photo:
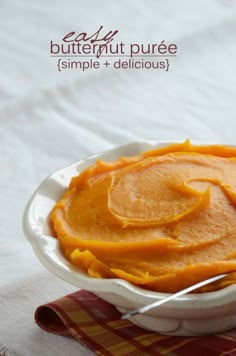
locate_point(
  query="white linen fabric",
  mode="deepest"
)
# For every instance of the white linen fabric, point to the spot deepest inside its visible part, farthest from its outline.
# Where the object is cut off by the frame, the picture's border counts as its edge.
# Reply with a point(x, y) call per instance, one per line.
point(49, 119)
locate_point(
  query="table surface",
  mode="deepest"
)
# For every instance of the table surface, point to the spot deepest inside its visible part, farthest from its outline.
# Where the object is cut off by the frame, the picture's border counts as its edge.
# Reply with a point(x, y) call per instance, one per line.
point(49, 119)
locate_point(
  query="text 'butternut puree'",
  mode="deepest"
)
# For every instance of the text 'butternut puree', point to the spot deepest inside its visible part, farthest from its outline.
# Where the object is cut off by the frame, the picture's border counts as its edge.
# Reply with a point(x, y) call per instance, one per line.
point(164, 219)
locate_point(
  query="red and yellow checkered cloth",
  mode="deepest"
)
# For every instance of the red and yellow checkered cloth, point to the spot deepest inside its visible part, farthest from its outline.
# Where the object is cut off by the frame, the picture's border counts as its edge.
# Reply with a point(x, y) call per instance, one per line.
point(96, 324)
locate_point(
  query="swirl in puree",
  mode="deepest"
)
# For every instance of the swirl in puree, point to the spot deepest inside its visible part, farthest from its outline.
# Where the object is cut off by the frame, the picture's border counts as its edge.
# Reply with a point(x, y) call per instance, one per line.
point(164, 219)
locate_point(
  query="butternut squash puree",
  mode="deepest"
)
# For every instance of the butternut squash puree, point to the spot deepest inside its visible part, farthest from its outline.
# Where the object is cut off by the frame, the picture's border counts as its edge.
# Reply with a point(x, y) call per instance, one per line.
point(163, 220)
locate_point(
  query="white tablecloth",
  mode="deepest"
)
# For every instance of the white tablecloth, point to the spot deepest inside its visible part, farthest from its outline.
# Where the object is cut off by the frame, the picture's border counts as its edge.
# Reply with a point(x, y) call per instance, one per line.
point(49, 119)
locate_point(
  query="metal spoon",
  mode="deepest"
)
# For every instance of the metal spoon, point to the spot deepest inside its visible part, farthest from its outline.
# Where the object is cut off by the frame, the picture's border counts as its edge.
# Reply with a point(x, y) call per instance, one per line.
point(172, 296)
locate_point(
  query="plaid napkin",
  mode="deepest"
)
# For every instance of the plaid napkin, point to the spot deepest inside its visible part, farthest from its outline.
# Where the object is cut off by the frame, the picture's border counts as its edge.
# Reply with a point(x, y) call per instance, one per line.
point(96, 324)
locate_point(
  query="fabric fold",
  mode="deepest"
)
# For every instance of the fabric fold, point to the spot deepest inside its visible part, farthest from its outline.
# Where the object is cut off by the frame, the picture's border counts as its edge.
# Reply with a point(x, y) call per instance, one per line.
point(96, 324)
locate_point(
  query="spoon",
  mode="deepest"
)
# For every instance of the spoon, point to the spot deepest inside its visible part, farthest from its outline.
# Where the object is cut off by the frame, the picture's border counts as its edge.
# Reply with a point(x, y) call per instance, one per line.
point(172, 296)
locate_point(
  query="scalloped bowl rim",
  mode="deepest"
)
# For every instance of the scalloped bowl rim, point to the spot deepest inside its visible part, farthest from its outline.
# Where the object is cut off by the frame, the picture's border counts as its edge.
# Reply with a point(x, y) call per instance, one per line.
point(46, 247)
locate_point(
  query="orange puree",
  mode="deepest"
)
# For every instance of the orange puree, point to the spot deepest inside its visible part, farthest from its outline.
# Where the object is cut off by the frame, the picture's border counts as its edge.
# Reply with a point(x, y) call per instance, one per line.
point(164, 219)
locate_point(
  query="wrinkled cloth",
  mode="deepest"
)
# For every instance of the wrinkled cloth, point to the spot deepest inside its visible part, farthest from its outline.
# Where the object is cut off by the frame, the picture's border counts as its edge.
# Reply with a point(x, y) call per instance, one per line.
point(97, 325)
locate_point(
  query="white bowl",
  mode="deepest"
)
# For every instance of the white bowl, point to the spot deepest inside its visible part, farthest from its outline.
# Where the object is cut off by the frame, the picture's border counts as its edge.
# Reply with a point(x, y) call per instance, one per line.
point(191, 315)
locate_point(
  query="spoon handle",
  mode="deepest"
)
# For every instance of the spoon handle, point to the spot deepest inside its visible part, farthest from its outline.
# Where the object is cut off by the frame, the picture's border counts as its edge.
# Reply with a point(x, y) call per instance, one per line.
point(172, 296)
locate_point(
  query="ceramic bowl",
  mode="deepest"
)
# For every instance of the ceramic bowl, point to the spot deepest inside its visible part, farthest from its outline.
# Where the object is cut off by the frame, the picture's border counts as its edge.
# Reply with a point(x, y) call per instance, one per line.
point(190, 315)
